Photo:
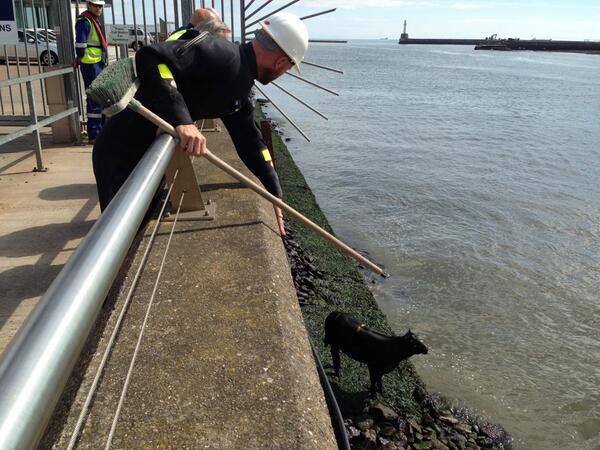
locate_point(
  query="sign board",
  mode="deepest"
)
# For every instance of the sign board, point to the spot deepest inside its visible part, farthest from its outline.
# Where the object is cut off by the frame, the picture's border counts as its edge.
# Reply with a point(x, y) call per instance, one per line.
point(8, 24)
point(119, 34)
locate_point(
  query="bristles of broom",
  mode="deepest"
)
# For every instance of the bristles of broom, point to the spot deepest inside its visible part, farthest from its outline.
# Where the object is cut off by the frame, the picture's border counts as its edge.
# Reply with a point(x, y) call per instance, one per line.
point(115, 86)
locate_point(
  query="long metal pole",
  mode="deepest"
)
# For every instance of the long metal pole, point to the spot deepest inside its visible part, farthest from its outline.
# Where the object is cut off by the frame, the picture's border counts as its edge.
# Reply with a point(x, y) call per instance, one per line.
point(318, 14)
point(257, 10)
point(300, 100)
point(37, 365)
point(322, 67)
point(271, 13)
point(312, 83)
point(282, 113)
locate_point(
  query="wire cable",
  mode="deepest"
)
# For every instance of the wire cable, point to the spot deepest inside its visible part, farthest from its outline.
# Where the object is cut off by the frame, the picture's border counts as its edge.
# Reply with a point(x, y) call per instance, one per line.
point(117, 327)
point(141, 334)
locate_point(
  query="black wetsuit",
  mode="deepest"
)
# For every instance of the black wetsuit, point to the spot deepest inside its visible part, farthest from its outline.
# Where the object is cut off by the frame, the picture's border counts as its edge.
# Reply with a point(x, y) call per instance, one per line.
point(213, 78)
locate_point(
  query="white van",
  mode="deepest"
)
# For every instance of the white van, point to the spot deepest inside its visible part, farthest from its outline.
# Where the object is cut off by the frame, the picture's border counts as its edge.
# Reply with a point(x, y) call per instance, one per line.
point(142, 39)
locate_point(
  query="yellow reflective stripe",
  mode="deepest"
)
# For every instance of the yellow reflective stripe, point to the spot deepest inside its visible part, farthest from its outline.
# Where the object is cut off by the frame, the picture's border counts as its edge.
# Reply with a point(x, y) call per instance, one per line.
point(176, 35)
point(164, 71)
point(266, 154)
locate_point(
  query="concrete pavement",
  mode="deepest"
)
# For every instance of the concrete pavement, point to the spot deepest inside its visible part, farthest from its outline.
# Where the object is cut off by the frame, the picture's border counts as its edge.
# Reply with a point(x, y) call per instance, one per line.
point(224, 360)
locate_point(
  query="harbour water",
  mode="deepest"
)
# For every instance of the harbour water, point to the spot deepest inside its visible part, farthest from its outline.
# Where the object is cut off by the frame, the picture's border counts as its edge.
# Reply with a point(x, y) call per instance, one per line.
point(474, 178)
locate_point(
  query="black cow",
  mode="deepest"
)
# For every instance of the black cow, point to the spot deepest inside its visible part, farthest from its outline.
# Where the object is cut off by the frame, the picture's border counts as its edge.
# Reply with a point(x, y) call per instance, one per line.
point(379, 352)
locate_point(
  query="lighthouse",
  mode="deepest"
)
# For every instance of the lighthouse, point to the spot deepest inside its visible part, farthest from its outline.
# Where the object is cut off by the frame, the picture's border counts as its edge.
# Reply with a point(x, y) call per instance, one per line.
point(404, 35)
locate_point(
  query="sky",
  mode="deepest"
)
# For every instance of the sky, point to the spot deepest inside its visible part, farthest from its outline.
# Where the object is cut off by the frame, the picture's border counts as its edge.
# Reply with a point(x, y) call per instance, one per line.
point(474, 19)
point(372, 19)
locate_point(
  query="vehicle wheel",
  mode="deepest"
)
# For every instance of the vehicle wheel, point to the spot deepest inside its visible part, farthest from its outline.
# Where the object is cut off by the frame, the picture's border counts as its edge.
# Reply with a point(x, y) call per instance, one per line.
point(48, 58)
point(137, 45)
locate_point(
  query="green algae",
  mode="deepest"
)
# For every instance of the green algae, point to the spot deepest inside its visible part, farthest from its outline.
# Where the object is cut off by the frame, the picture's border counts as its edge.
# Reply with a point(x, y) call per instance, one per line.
point(342, 288)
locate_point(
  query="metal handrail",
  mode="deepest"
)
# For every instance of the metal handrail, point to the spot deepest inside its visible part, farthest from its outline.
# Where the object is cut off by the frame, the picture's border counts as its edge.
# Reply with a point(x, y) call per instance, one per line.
point(37, 76)
point(35, 368)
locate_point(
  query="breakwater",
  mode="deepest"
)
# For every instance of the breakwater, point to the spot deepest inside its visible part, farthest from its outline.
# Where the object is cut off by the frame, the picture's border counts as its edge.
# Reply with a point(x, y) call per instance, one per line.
point(540, 46)
point(441, 41)
point(544, 45)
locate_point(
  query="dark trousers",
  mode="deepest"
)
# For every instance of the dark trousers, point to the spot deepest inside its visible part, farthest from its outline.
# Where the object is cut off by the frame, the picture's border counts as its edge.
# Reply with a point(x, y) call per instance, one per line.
point(95, 119)
point(119, 147)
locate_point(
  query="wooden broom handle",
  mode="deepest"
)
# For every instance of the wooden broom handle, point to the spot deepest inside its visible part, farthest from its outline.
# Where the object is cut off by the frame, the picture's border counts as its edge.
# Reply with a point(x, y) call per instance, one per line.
point(262, 191)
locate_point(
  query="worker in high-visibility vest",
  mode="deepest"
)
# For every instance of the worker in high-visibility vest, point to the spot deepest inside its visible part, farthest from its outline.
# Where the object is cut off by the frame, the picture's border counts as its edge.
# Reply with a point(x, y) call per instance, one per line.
point(90, 46)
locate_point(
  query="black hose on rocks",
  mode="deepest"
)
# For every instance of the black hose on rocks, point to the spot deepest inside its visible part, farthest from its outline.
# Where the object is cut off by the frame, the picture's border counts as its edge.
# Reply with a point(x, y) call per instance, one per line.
point(337, 420)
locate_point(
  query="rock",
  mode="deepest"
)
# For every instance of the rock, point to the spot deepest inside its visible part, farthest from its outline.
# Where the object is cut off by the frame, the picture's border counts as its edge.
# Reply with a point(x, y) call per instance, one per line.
point(288, 139)
point(438, 445)
point(365, 424)
point(388, 431)
point(392, 446)
point(352, 432)
point(419, 394)
point(449, 419)
point(459, 440)
point(463, 428)
point(367, 441)
point(400, 438)
point(414, 425)
point(420, 445)
point(495, 432)
point(383, 441)
point(452, 446)
point(427, 419)
point(382, 413)
point(484, 442)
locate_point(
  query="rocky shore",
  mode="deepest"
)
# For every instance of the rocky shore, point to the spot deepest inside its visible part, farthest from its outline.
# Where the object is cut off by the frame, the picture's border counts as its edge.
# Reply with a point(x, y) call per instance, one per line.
point(378, 426)
point(405, 416)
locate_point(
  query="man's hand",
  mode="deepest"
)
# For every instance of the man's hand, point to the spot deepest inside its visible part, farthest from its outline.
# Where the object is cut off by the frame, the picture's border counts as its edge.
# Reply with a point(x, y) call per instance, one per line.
point(76, 63)
point(191, 141)
point(280, 222)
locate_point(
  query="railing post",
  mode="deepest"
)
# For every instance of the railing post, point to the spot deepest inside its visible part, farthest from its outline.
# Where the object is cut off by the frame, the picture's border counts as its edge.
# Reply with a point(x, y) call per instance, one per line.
point(33, 115)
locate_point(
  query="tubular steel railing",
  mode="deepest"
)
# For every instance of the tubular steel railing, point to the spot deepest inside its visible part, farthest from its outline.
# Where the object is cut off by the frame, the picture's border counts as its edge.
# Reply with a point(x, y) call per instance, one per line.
point(36, 366)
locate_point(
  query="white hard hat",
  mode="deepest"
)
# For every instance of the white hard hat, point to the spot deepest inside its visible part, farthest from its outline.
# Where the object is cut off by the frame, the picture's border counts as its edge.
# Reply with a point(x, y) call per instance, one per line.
point(97, 2)
point(288, 31)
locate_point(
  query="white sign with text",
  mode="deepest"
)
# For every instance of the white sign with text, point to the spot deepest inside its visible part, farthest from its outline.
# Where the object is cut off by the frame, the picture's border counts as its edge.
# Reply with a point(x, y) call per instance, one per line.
point(8, 23)
point(119, 34)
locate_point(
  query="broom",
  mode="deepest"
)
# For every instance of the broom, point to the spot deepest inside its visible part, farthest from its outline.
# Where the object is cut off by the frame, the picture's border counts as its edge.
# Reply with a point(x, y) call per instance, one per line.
point(114, 89)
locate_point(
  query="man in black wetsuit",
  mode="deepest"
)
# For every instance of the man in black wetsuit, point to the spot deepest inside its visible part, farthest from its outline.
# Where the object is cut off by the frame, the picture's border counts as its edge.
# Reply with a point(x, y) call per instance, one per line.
point(199, 76)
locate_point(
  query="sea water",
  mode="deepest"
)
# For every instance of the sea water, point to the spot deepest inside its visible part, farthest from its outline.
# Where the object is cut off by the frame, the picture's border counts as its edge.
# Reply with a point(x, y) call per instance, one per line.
point(473, 176)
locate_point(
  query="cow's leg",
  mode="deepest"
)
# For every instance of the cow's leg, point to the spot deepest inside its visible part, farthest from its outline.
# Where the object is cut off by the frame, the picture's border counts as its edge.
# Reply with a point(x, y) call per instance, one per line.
point(373, 377)
point(335, 356)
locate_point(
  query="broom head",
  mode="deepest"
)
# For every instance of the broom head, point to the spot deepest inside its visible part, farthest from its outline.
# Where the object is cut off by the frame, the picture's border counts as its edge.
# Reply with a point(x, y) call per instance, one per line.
point(114, 87)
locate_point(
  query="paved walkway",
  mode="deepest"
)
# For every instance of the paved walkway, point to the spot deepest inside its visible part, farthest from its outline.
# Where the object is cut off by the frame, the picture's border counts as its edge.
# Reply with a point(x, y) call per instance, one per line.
point(225, 360)
point(44, 218)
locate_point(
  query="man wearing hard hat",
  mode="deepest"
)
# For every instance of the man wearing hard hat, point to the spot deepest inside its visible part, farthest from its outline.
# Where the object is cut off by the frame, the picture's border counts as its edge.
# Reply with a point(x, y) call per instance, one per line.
point(90, 47)
point(199, 77)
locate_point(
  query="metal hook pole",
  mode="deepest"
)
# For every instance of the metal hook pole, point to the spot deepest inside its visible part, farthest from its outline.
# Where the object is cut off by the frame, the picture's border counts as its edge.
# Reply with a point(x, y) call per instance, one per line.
point(266, 3)
point(312, 83)
point(271, 13)
point(323, 67)
point(300, 100)
point(283, 114)
point(318, 14)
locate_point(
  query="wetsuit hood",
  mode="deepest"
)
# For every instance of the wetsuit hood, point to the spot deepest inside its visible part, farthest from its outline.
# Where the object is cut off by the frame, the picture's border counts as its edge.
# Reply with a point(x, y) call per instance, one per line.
point(248, 52)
